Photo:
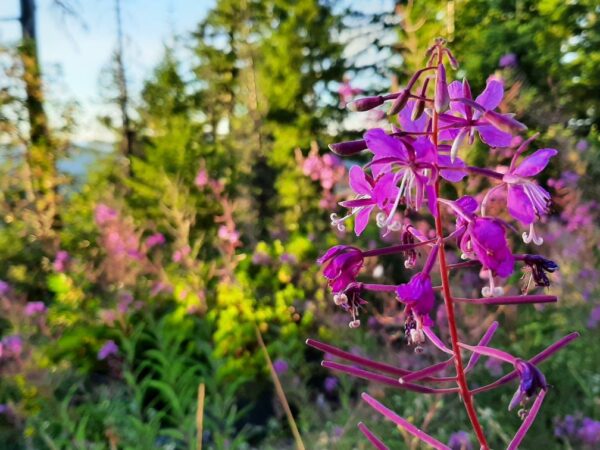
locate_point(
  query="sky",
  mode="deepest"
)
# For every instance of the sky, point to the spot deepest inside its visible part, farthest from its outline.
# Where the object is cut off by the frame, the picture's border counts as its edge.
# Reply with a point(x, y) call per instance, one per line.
point(74, 50)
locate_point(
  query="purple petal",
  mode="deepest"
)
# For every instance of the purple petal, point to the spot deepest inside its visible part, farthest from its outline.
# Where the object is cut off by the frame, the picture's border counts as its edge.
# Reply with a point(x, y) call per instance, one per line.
point(453, 176)
point(493, 136)
point(533, 412)
point(506, 264)
point(492, 95)
point(456, 91)
point(468, 204)
point(431, 199)
point(403, 423)
point(361, 219)
point(535, 163)
point(331, 253)
point(519, 204)
point(371, 437)
point(424, 150)
point(381, 144)
point(358, 181)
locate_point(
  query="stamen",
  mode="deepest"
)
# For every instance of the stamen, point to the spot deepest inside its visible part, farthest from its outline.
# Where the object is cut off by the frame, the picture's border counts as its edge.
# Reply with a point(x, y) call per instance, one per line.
point(340, 299)
point(492, 290)
point(532, 236)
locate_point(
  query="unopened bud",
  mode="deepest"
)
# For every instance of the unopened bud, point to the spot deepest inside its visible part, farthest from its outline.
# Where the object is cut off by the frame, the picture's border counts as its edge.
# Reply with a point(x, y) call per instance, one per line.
point(365, 103)
point(399, 103)
point(349, 147)
point(441, 99)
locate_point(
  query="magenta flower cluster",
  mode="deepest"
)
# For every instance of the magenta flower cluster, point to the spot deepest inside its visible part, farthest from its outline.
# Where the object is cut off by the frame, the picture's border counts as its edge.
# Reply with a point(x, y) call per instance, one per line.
point(434, 123)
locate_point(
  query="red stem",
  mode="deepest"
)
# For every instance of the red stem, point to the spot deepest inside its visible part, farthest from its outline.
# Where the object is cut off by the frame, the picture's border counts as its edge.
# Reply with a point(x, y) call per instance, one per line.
point(461, 379)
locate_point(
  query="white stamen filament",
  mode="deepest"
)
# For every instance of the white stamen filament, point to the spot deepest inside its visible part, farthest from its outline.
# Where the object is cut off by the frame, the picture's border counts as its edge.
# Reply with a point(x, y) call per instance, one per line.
point(492, 290)
point(532, 236)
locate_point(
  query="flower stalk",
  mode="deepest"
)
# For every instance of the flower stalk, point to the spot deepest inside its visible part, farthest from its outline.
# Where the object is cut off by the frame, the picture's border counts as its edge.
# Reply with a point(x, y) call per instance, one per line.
point(406, 171)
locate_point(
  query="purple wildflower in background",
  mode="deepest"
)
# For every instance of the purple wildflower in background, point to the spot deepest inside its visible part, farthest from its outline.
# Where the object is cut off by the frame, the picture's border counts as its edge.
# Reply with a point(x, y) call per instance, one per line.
point(494, 367)
point(155, 239)
point(330, 384)
point(35, 308)
point(5, 288)
point(181, 254)
point(594, 318)
point(589, 433)
point(288, 258)
point(201, 179)
point(582, 145)
point(108, 349)
point(347, 92)
point(104, 214)
point(508, 60)
point(12, 346)
point(61, 261)
point(260, 258)
point(228, 234)
point(280, 366)
point(460, 441)
point(566, 427)
point(581, 431)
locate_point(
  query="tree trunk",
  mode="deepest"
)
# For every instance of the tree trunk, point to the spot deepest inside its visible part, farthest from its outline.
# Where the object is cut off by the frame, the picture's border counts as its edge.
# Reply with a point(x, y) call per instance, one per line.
point(128, 133)
point(40, 154)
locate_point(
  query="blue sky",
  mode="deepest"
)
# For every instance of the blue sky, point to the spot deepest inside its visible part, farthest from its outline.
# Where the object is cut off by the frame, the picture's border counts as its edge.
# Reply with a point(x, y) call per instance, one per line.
point(73, 51)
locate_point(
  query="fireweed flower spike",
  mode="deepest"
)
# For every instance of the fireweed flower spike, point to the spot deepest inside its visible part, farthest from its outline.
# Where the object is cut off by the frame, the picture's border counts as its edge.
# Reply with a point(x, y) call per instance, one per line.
point(407, 166)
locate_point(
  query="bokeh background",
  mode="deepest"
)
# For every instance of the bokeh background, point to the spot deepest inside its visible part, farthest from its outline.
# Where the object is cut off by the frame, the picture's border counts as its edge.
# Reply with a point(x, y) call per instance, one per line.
point(166, 190)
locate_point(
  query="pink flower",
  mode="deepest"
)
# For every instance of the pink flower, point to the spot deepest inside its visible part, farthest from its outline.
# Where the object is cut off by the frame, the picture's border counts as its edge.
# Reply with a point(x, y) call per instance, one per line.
point(181, 254)
point(61, 261)
point(201, 178)
point(107, 350)
point(35, 308)
point(104, 214)
point(154, 240)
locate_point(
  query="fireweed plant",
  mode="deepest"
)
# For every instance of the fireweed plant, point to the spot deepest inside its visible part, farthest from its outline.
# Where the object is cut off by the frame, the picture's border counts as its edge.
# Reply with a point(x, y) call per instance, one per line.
point(408, 166)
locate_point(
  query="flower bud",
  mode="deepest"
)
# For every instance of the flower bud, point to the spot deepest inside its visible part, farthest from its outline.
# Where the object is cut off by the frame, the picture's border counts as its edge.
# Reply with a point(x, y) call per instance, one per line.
point(349, 147)
point(400, 102)
point(441, 99)
point(365, 103)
